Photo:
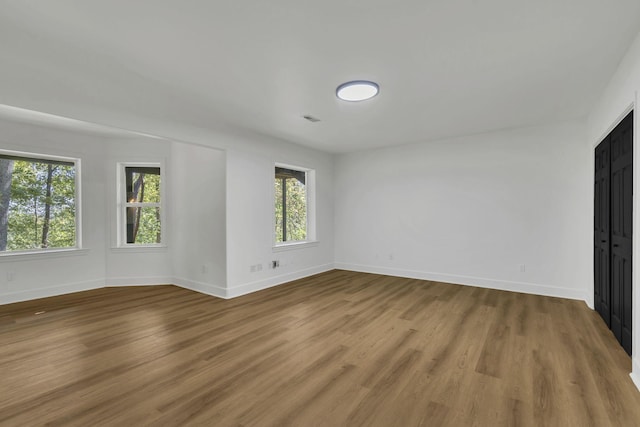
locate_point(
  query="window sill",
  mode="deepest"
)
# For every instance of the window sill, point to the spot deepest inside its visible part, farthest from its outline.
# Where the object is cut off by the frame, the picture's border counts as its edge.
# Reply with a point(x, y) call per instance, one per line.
point(36, 255)
point(295, 245)
point(140, 248)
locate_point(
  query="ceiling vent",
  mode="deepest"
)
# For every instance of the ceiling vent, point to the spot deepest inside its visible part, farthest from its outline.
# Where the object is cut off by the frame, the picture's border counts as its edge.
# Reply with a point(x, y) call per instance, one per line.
point(311, 118)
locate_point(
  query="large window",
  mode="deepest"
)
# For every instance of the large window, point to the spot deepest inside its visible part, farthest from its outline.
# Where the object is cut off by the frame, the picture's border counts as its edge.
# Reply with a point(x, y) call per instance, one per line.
point(38, 202)
point(140, 205)
point(291, 205)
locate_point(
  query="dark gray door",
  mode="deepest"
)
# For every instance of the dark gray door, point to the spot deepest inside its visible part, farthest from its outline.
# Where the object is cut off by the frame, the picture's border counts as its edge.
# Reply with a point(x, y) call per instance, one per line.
point(621, 222)
point(613, 212)
point(601, 231)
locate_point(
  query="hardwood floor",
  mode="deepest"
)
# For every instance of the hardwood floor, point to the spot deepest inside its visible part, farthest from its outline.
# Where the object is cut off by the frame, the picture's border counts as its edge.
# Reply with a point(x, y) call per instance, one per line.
point(336, 349)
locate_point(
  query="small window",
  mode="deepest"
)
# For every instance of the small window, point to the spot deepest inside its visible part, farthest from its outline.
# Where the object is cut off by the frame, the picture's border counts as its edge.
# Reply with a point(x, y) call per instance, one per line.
point(141, 205)
point(39, 207)
point(291, 205)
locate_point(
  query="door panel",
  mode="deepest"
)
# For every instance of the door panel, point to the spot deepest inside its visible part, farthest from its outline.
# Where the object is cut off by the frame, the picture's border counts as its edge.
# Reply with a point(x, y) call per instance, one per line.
point(601, 231)
point(621, 229)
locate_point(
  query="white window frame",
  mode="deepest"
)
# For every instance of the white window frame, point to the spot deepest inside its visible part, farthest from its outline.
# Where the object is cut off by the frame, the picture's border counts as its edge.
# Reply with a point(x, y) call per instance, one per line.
point(78, 202)
point(123, 204)
point(310, 189)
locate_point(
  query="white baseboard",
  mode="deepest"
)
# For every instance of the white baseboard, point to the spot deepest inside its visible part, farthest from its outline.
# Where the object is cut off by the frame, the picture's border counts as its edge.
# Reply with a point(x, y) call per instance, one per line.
point(503, 285)
point(259, 285)
point(11, 297)
point(635, 373)
point(203, 288)
point(236, 291)
point(112, 282)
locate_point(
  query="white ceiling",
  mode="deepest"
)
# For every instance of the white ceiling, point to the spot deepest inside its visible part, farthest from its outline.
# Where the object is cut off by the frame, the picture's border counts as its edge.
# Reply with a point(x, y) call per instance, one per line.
point(445, 67)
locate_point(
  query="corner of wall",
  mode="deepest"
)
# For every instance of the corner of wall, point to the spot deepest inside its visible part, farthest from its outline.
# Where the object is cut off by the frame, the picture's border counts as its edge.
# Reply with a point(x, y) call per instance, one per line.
point(203, 288)
point(259, 285)
point(588, 299)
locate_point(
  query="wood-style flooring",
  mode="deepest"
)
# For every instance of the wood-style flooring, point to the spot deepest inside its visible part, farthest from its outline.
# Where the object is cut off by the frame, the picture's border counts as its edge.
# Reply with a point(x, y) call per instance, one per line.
point(336, 349)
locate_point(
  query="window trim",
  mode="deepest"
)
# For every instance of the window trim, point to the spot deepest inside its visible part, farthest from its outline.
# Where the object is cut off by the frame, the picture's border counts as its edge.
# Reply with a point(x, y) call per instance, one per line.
point(29, 155)
point(310, 183)
point(122, 204)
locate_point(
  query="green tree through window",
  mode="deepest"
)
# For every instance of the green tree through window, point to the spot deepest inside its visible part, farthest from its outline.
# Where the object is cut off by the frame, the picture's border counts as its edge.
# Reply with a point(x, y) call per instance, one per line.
point(290, 205)
point(142, 205)
point(37, 203)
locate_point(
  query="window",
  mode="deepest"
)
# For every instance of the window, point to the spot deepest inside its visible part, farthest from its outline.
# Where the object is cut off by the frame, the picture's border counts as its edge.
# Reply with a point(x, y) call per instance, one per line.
point(140, 213)
point(293, 199)
point(39, 207)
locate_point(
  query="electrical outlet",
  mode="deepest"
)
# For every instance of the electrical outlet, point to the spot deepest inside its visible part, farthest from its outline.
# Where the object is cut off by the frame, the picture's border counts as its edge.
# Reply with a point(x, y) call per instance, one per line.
point(10, 276)
point(523, 268)
point(275, 263)
point(203, 269)
point(252, 268)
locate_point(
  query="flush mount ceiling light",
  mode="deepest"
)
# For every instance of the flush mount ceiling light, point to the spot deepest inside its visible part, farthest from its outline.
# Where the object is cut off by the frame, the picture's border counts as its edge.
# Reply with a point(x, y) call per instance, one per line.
point(357, 90)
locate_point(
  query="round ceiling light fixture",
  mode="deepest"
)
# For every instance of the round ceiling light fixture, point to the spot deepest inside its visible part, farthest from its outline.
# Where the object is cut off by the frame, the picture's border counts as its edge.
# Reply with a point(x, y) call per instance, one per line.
point(357, 90)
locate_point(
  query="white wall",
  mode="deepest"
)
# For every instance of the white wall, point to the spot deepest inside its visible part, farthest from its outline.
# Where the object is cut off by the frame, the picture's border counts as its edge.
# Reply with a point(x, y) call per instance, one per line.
point(471, 210)
point(225, 176)
point(250, 228)
point(198, 227)
point(250, 159)
point(137, 266)
point(36, 276)
point(190, 171)
point(620, 96)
